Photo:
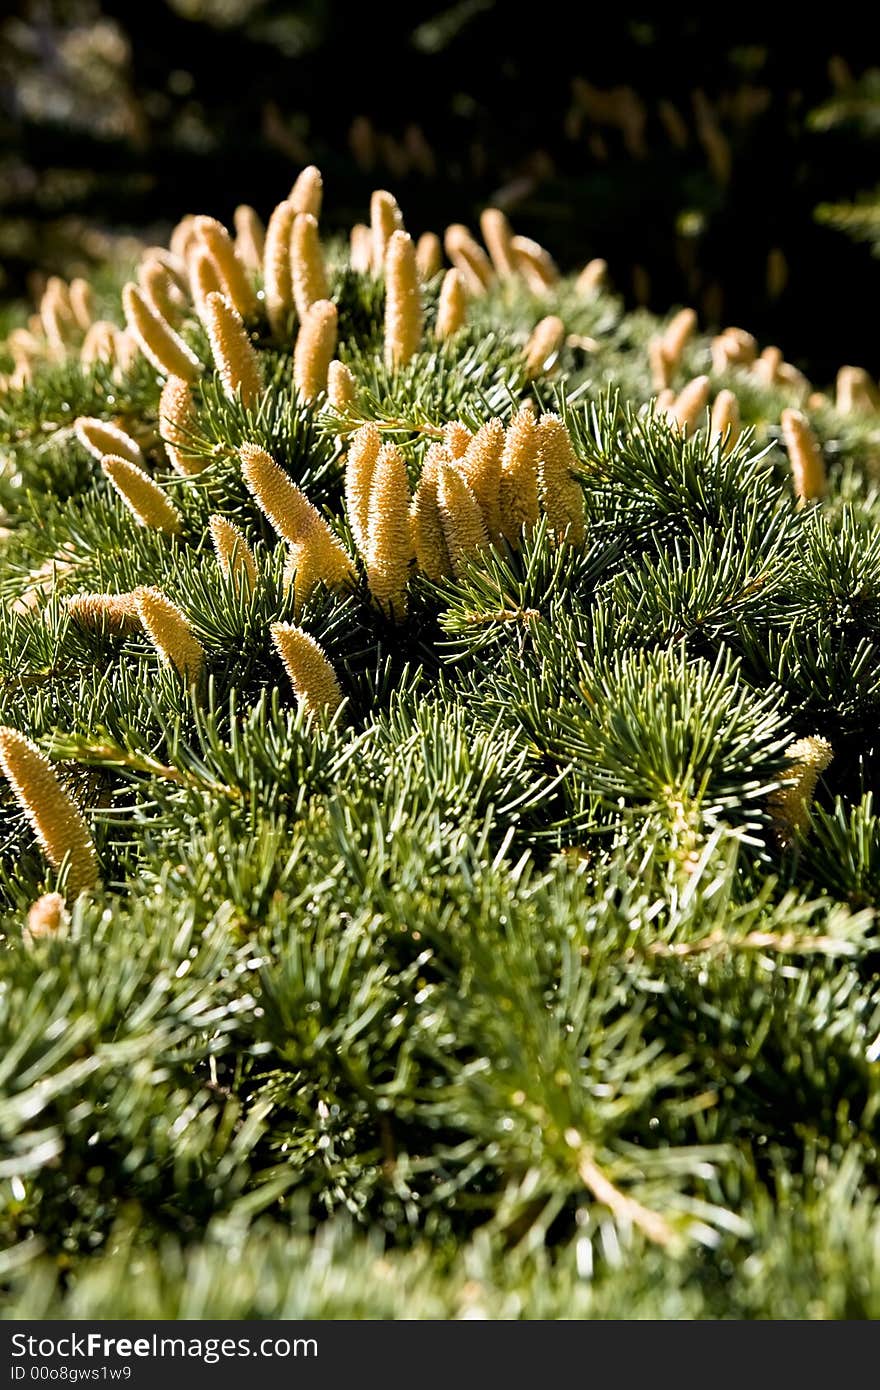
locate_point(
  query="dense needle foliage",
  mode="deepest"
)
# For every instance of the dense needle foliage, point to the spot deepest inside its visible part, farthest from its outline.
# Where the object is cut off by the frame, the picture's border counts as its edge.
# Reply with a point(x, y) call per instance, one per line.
point(507, 988)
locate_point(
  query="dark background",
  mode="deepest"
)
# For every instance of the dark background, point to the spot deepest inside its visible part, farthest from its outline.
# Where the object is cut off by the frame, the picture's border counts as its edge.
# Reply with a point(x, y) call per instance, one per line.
point(123, 116)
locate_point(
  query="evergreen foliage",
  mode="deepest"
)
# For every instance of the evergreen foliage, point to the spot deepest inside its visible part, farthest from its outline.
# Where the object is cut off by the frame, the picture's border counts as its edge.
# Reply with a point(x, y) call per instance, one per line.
point(505, 986)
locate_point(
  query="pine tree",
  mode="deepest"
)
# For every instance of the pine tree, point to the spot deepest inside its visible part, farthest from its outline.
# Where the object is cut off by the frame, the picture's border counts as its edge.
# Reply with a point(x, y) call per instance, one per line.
point(418, 803)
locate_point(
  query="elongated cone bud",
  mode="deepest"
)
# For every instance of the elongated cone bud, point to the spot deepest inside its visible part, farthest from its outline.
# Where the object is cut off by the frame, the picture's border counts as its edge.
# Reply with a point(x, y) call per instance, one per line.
point(234, 354)
point(534, 263)
point(182, 236)
point(234, 555)
point(661, 368)
point(144, 498)
point(126, 354)
point(788, 375)
point(307, 263)
point(56, 317)
point(677, 335)
point(481, 470)
point(464, 529)
point(114, 615)
point(361, 243)
point(156, 339)
point(664, 402)
point(469, 258)
point(314, 350)
point(175, 266)
point(805, 456)
point(250, 238)
point(25, 350)
point(204, 278)
point(734, 347)
point(160, 291)
point(561, 494)
point(544, 345)
point(725, 420)
point(308, 191)
point(311, 675)
point(403, 301)
point(766, 367)
point(790, 805)
point(316, 555)
point(429, 255)
point(177, 420)
point(429, 540)
point(23, 362)
point(452, 306)
point(855, 391)
point(724, 353)
point(47, 917)
point(170, 633)
point(277, 280)
point(592, 278)
point(59, 289)
point(746, 343)
point(126, 351)
point(81, 303)
point(690, 403)
point(456, 438)
point(385, 219)
point(219, 244)
point(287, 508)
point(359, 468)
point(498, 236)
point(55, 819)
point(341, 387)
point(519, 476)
point(99, 344)
point(314, 562)
point(22, 341)
point(101, 437)
point(389, 538)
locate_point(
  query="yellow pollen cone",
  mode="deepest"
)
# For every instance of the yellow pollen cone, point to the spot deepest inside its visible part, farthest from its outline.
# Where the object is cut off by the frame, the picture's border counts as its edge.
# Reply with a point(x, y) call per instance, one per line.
point(311, 675)
point(144, 498)
point(389, 537)
point(234, 555)
point(55, 819)
point(156, 339)
point(234, 354)
point(561, 494)
point(169, 631)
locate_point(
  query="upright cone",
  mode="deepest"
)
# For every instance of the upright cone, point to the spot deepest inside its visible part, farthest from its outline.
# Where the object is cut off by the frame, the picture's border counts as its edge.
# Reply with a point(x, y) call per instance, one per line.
point(57, 823)
point(403, 301)
point(389, 537)
point(311, 675)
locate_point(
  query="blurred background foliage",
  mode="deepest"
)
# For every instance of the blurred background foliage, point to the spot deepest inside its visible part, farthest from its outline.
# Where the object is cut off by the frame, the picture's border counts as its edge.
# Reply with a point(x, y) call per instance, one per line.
point(708, 166)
